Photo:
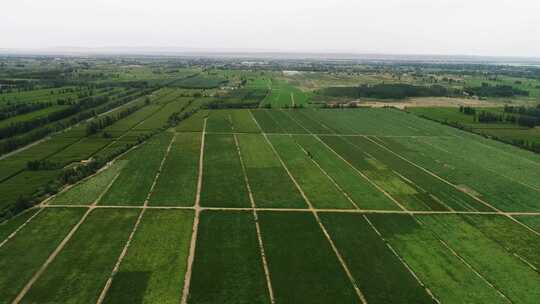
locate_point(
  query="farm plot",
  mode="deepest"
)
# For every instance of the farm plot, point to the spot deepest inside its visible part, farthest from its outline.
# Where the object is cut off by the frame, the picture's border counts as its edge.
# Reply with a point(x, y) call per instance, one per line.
point(515, 279)
point(434, 192)
point(223, 179)
point(302, 265)
point(403, 191)
point(134, 182)
point(285, 122)
point(79, 272)
point(177, 183)
point(364, 194)
point(88, 192)
point(268, 125)
point(318, 188)
point(219, 121)
point(380, 275)
point(438, 268)
point(515, 238)
point(531, 221)
point(24, 254)
point(307, 121)
point(11, 225)
point(153, 269)
point(269, 182)
point(195, 123)
point(228, 266)
point(477, 178)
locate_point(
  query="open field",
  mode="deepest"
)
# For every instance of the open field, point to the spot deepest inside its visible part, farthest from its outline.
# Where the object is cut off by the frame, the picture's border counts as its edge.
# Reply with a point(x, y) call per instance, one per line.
point(167, 199)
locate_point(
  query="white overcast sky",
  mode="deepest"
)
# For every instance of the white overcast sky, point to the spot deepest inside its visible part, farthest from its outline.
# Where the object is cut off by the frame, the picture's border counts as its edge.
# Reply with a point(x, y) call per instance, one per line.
point(468, 27)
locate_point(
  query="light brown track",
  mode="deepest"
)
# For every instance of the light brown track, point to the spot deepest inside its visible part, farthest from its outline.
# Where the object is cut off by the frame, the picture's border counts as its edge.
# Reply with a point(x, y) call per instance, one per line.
point(197, 207)
point(319, 222)
point(367, 211)
point(257, 225)
point(107, 286)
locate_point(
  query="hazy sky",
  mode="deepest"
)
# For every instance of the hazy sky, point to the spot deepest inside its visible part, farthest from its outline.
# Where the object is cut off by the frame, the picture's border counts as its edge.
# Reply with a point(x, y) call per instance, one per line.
point(470, 27)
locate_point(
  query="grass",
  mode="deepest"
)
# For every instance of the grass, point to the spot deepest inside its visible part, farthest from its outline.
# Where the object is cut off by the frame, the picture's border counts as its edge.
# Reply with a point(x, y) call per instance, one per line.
point(147, 275)
point(268, 125)
point(134, 182)
point(442, 272)
point(436, 192)
point(512, 277)
point(363, 193)
point(380, 275)
point(243, 121)
point(89, 191)
point(531, 221)
point(219, 121)
point(269, 182)
point(506, 131)
point(227, 266)
point(194, 123)
point(483, 176)
point(285, 122)
point(177, 183)
point(303, 267)
point(319, 189)
point(515, 238)
point(9, 226)
point(24, 254)
point(223, 179)
point(79, 272)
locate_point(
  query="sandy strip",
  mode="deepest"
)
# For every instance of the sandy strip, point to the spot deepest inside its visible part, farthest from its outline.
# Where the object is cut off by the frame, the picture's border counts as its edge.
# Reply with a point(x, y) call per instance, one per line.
point(197, 208)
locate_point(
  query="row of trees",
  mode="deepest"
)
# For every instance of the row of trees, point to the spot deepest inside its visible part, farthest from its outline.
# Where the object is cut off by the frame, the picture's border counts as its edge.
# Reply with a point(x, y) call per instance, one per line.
point(15, 142)
point(487, 90)
point(389, 91)
point(99, 124)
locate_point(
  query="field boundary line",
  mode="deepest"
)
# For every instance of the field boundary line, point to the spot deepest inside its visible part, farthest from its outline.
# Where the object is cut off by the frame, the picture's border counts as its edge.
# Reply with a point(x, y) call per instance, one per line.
point(61, 246)
point(329, 210)
point(122, 255)
point(12, 235)
point(195, 229)
point(257, 225)
point(319, 222)
point(363, 175)
point(320, 134)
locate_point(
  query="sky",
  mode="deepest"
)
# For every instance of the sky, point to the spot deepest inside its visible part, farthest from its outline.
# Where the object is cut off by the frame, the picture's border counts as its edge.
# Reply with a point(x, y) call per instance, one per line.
point(443, 27)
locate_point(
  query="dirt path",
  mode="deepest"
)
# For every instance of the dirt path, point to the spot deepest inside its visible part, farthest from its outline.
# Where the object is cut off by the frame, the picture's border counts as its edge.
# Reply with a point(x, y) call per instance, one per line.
point(292, 99)
point(257, 225)
point(326, 134)
point(105, 289)
point(319, 222)
point(191, 257)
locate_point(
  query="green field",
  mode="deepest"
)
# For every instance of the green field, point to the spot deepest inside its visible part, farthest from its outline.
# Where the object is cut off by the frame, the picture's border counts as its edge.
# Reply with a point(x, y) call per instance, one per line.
point(231, 181)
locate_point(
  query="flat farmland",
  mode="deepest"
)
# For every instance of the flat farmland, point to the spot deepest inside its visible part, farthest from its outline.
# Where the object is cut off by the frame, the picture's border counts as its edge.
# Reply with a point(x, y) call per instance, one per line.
point(281, 206)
